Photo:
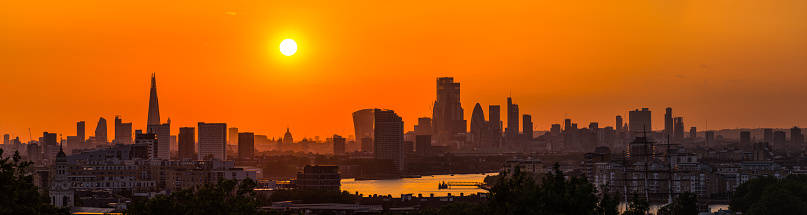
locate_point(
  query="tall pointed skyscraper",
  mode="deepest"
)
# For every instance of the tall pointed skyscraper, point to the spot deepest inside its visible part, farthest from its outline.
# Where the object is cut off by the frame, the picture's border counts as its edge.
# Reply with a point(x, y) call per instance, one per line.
point(154, 106)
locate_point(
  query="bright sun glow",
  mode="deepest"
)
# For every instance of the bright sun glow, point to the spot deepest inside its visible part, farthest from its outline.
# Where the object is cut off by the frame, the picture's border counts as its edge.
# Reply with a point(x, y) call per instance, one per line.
point(288, 47)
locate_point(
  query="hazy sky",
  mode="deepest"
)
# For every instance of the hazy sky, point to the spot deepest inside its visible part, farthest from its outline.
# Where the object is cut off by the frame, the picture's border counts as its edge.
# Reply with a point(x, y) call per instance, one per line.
point(737, 63)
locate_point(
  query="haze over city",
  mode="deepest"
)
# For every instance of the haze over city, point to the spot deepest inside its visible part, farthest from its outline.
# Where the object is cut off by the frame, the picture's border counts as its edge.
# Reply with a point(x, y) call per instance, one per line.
point(733, 63)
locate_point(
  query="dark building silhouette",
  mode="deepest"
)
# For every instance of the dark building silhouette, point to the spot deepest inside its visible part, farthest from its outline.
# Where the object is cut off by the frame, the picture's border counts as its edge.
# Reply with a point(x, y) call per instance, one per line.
point(447, 115)
point(246, 145)
point(710, 138)
point(668, 122)
point(154, 106)
point(494, 137)
point(780, 140)
point(186, 142)
point(49, 139)
point(5, 139)
point(796, 138)
point(149, 140)
point(367, 144)
point(212, 141)
point(423, 144)
point(693, 133)
point(678, 128)
point(287, 138)
point(319, 177)
point(363, 125)
point(80, 127)
point(388, 142)
point(527, 122)
point(640, 121)
point(745, 138)
point(100, 131)
point(619, 128)
point(338, 145)
point(478, 127)
point(123, 131)
point(409, 147)
point(163, 133)
point(767, 135)
point(512, 118)
point(424, 126)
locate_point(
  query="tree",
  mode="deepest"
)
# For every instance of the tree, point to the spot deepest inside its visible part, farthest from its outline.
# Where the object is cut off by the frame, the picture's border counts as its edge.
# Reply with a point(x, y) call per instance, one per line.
point(684, 204)
point(637, 206)
point(517, 193)
point(312, 196)
point(19, 195)
point(225, 197)
point(770, 195)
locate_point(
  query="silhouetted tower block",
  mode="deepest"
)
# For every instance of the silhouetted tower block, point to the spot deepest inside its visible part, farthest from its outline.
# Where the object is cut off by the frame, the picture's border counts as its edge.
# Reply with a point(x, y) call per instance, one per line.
point(678, 128)
point(186, 142)
point(100, 131)
point(669, 123)
point(363, 125)
point(527, 123)
point(745, 138)
point(80, 127)
point(246, 145)
point(710, 138)
point(693, 133)
point(423, 145)
point(212, 141)
point(338, 145)
point(768, 135)
point(796, 138)
point(367, 144)
point(780, 140)
point(232, 134)
point(154, 106)
point(619, 128)
point(640, 121)
point(388, 142)
point(424, 126)
point(448, 115)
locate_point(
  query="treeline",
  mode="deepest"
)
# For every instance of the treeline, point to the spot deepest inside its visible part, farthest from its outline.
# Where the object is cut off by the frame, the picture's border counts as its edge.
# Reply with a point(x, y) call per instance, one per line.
point(770, 195)
point(224, 197)
point(18, 195)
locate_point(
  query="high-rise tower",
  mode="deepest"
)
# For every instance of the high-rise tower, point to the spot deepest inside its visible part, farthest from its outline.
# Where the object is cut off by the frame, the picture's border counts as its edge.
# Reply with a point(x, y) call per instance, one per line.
point(448, 116)
point(154, 106)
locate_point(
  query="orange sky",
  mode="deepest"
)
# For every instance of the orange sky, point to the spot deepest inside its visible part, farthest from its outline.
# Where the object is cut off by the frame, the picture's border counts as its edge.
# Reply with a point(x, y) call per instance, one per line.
point(736, 63)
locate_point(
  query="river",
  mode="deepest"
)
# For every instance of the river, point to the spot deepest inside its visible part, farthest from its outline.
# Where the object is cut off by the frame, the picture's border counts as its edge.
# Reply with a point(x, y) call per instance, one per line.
point(425, 185)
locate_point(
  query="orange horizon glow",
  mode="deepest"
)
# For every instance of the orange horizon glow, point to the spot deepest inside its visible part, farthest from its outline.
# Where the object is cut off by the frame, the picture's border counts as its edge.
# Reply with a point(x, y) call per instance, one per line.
point(737, 64)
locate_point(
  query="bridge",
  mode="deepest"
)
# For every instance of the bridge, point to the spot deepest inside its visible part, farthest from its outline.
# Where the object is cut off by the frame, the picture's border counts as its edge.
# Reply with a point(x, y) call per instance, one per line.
point(447, 185)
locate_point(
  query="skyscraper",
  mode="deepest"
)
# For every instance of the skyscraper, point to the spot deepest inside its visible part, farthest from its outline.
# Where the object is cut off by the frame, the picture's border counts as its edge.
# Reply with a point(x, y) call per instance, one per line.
point(154, 106)
point(424, 126)
point(163, 133)
point(768, 135)
point(693, 133)
point(212, 141)
point(233, 136)
point(149, 140)
point(5, 138)
point(710, 138)
point(80, 131)
point(678, 128)
point(389, 137)
point(494, 137)
point(669, 123)
point(639, 121)
point(745, 138)
point(100, 131)
point(123, 132)
point(363, 125)
point(796, 138)
point(780, 140)
point(338, 145)
point(246, 145)
point(619, 128)
point(477, 124)
point(186, 139)
point(512, 117)
point(423, 145)
point(448, 116)
point(527, 122)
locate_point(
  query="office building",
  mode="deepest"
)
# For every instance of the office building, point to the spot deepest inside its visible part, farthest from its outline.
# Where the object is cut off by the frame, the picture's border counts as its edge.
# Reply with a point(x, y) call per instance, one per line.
point(366, 144)
point(163, 133)
point(527, 122)
point(123, 131)
point(494, 137)
point(212, 141)
point(710, 138)
point(796, 138)
point(320, 178)
point(678, 128)
point(246, 145)
point(424, 126)
point(338, 145)
point(619, 128)
point(448, 116)
point(639, 121)
point(745, 138)
point(5, 139)
point(768, 135)
point(512, 118)
point(693, 133)
point(363, 125)
point(186, 143)
point(780, 140)
point(100, 132)
point(423, 145)
point(409, 146)
point(389, 128)
point(80, 127)
point(151, 143)
point(154, 106)
point(669, 123)
point(477, 124)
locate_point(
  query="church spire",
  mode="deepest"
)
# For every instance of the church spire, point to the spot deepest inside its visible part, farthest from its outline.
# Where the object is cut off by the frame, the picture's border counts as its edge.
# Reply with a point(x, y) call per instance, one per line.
point(154, 106)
